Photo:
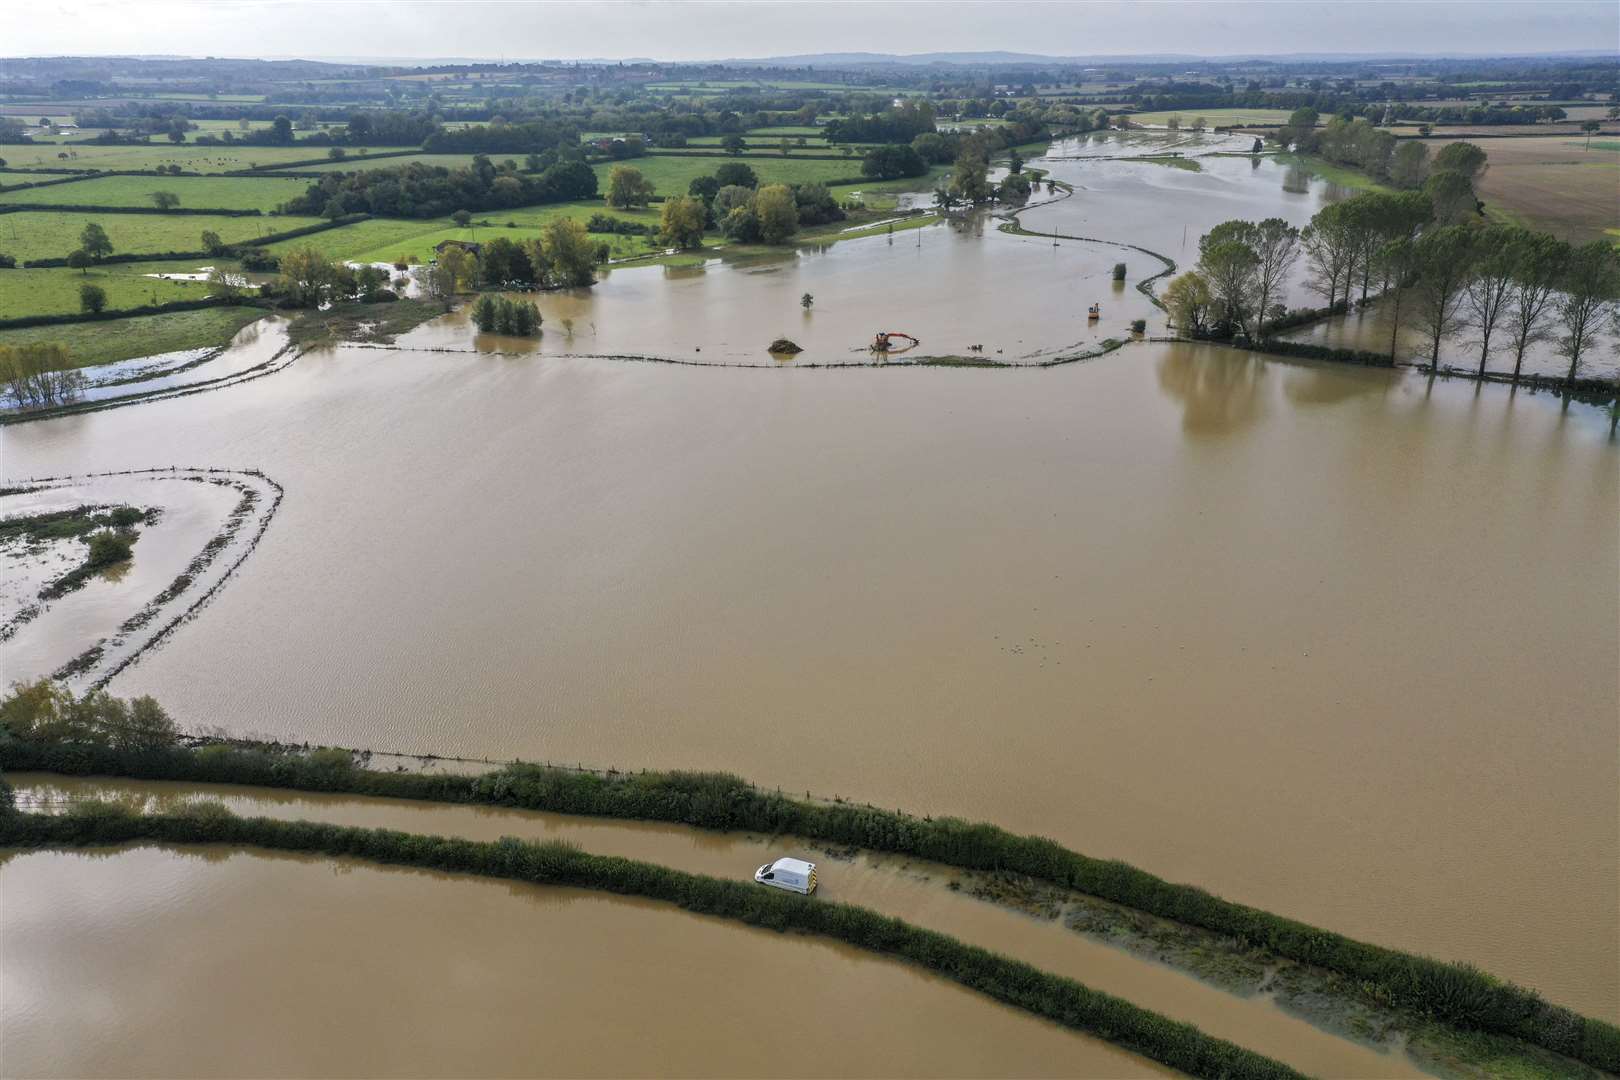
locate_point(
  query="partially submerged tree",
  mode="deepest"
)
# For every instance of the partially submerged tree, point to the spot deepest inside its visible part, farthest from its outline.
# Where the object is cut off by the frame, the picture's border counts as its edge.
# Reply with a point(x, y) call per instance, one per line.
point(1443, 265)
point(1188, 299)
point(1486, 294)
point(1588, 290)
point(1538, 262)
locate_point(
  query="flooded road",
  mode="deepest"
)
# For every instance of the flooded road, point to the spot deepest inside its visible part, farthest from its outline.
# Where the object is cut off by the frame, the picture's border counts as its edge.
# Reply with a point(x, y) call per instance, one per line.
point(1338, 643)
point(210, 962)
point(910, 889)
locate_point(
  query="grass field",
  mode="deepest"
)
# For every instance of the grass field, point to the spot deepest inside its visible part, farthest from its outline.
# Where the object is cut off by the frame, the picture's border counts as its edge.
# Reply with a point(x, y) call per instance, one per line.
point(1551, 183)
point(39, 234)
point(55, 290)
point(448, 161)
point(144, 335)
point(214, 193)
point(395, 240)
point(1221, 117)
point(203, 159)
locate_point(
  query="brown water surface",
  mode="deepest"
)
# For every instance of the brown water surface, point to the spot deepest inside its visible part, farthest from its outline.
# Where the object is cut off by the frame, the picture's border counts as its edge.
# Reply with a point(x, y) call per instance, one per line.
point(212, 962)
point(917, 891)
point(1338, 643)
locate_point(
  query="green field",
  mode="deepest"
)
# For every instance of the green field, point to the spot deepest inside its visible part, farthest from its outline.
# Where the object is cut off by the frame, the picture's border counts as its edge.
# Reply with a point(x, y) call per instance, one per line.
point(397, 240)
point(203, 159)
point(55, 290)
point(41, 234)
point(448, 161)
point(108, 341)
point(214, 193)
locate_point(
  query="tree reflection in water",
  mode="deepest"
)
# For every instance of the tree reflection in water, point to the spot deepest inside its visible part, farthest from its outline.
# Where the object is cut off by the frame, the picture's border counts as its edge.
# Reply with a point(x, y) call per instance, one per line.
point(1220, 391)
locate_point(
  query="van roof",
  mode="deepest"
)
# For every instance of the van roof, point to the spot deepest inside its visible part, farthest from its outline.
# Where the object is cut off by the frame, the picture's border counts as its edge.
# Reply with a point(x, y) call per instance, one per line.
point(797, 866)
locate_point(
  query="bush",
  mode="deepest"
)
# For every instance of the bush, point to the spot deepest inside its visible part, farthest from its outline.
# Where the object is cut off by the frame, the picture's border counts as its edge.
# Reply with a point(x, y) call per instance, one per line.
point(607, 223)
point(258, 260)
point(500, 315)
point(108, 547)
point(1119, 271)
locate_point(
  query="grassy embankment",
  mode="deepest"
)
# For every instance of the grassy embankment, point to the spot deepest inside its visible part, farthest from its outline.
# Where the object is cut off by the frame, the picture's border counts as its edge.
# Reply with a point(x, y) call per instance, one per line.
point(1458, 995)
point(1062, 1000)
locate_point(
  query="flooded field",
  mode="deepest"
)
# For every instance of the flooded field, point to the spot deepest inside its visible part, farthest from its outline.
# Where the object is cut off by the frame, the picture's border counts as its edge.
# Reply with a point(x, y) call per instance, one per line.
point(1335, 642)
point(1369, 329)
point(919, 892)
point(1190, 608)
point(952, 285)
point(234, 952)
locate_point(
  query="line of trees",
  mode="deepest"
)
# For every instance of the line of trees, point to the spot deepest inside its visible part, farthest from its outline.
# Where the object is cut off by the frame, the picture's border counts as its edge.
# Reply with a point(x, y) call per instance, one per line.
point(38, 375)
point(1508, 286)
point(416, 190)
point(563, 255)
point(1456, 994)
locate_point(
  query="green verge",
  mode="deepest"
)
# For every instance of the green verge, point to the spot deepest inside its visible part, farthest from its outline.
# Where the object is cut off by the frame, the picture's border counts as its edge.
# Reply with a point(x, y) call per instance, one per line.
point(1457, 994)
point(110, 340)
point(1065, 1001)
point(1343, 175)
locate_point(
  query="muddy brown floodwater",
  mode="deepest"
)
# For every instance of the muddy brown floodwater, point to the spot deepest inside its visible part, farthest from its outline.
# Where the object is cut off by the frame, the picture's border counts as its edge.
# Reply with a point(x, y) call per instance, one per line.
point(1339, 643)
point(910, 889)
point(213, 962)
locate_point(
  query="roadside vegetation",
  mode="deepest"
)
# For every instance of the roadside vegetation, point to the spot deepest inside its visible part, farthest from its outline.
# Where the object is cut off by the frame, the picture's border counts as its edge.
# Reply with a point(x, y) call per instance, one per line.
point(1455, 994)
point(1053, 997)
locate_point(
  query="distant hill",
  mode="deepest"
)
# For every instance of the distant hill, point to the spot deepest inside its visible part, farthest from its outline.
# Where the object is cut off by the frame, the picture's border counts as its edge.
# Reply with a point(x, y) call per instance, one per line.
point(1018, 59)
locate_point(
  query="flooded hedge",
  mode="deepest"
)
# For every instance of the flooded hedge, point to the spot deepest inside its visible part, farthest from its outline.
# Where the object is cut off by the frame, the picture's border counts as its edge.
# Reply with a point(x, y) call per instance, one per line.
point(1065, 1001)
point(1457, 994)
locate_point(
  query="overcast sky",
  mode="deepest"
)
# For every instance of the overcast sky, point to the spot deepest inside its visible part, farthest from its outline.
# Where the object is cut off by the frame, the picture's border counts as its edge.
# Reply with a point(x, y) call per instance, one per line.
point(701, 29)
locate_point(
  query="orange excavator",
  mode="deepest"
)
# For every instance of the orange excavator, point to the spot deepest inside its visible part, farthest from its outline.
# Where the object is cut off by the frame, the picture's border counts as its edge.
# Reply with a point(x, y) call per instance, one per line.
point(884, 342)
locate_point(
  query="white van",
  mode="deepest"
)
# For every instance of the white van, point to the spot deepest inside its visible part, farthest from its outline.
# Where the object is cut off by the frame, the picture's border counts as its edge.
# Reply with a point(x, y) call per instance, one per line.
point(794, 875)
